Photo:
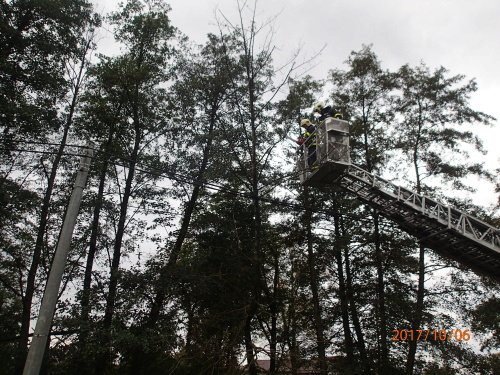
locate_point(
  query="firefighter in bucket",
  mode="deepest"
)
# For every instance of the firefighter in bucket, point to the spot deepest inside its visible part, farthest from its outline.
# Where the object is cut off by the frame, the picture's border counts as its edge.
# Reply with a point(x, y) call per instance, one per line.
point(308, 139)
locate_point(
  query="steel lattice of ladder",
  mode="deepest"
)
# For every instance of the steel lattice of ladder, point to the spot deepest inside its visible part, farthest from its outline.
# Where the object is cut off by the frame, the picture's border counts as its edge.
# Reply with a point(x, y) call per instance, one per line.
point(448, 231)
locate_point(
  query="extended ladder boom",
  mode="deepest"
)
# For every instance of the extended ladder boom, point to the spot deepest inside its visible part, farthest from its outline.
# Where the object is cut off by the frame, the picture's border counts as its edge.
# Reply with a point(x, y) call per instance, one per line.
point(446, 230)
point(442, 228)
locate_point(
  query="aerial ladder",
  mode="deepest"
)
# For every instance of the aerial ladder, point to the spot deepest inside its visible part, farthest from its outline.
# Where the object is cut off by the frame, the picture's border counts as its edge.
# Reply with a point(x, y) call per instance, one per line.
point(444, 229)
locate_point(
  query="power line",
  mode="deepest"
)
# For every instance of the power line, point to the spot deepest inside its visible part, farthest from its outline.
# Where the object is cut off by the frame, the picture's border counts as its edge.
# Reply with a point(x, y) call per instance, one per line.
point(45, 143)
point(190, 179)
point(40, 152)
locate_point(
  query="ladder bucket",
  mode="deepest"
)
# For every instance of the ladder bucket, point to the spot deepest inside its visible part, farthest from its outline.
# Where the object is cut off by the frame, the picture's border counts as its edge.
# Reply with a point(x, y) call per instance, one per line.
point(332, 154)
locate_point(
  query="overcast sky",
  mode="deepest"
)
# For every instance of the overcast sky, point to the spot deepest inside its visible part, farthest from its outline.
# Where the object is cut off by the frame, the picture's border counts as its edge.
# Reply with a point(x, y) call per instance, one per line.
point(461, 35)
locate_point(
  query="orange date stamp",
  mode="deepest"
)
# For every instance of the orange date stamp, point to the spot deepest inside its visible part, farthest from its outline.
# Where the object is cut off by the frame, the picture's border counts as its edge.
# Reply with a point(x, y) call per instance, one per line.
point(431, 335)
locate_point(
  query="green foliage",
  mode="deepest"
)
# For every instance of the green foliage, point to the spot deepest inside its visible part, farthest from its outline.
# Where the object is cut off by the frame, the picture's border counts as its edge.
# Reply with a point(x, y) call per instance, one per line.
point(37, 38)
point(432, 106)
point(216, 275)
point(366, 95)
point(16, 232)
point(486, 319)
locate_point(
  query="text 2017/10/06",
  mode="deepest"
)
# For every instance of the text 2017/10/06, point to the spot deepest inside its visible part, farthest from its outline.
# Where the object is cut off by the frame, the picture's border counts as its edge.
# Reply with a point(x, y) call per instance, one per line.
point(430, 334)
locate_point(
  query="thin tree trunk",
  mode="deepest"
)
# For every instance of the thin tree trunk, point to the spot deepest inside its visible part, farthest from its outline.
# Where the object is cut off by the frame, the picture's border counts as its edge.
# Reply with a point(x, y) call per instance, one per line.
point(344, 308)
point(419, 308)
point(252, 367)
point(85, 302)
point(290, 329)
point(183, 231)
point(314, 282)
point(87, 280)
point(274, 318)
point(257, 218)
point(30, 282)
point(103, 361)
point(189, 330)
point(294, 348)
point(380, 304)
point(382, 323)
point(354, 313)
point(417, 320)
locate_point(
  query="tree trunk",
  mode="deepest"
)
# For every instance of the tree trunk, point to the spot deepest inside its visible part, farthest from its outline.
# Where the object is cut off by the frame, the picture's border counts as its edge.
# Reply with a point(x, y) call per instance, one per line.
point(354, 313)
point(417, 319)
point(344, 308)
point(419, 308)
point(252, 367)
point(186, 220)
point(314, 282)
point(87, 280)
point(189, 329)
point(257, 218)
point(274, 318)
point(103, 361)
point(290, 329)
point(30, 282)
point(382, 323)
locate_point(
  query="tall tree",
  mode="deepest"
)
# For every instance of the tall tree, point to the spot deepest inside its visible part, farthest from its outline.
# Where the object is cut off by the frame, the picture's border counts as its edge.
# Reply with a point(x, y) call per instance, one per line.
point(365, 92)
point(101, 120)
point(202, 88)
point(145, 30)
point(432, 107)
point(40, 67)
point(291, 110)
point(251, 136)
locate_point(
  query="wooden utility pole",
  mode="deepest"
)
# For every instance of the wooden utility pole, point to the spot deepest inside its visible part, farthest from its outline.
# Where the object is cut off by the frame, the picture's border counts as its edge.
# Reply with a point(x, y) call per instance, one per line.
point(49, 301)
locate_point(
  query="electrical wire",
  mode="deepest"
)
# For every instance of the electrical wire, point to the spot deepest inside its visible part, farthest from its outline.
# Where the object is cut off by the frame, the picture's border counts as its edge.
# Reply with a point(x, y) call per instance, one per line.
point(169, 174)
point(220, 188)
point(40, 152)
point(45, 143)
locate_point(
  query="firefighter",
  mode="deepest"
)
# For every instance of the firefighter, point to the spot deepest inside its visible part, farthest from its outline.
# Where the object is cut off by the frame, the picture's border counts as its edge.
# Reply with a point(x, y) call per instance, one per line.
point(309, 140)
point(327, 111)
